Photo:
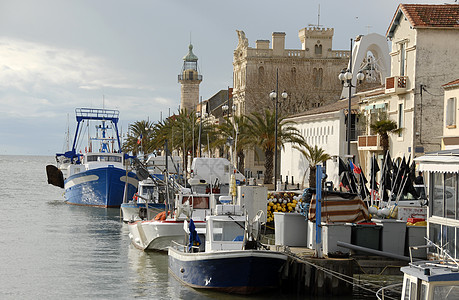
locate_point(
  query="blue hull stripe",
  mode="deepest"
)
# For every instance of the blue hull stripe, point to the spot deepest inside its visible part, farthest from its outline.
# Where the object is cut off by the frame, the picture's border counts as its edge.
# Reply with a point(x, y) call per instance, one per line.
point(99, 187)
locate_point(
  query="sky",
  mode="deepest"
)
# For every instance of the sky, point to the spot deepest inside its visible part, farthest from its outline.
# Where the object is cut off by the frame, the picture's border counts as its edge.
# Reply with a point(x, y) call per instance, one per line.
point(58, 55)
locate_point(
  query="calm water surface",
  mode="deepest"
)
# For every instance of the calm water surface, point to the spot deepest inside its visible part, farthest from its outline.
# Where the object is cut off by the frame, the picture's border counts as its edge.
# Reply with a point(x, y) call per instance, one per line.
point(52, 250)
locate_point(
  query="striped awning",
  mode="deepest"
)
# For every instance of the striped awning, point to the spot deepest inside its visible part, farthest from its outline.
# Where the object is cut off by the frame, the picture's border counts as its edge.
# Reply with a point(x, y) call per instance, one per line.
point(338, 210)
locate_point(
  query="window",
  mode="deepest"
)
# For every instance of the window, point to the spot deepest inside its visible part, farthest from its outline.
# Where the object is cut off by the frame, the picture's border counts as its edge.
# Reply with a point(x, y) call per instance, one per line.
point(261, 75)
point(446, 292)
point(450, 241)
point(318, 75)
point(402, 59)
point(450, 195)
point(400, 117)
point(413, 291)
point(318, 49)
point(407, 290)
point(435, 233)
point(451, 112)
point(227, 231)
point(437, 195)
point(423, 292)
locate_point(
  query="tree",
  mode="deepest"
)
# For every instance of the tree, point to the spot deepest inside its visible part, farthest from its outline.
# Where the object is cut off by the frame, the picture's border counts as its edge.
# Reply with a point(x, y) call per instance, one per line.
point(237, 128)
point(383, 127)
point(314, 156)
point(138, 139)
point(182, 132)
point(261, 133)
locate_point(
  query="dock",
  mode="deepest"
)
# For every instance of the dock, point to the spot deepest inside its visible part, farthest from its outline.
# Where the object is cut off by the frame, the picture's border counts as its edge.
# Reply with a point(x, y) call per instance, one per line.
point(306, 274)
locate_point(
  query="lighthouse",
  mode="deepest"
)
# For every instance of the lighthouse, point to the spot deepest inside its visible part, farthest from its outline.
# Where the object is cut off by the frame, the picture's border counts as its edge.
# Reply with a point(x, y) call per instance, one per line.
point(189, 80)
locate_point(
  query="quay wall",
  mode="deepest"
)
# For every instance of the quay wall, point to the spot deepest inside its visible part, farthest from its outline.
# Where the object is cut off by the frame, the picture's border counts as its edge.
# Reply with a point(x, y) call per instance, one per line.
point(318, 277)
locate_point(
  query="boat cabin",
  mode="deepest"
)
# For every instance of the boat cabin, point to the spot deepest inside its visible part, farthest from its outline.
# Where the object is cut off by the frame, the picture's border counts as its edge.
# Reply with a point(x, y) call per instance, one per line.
point(225, 230)
point(200, 205)
point(430, 280)
point(91, 159)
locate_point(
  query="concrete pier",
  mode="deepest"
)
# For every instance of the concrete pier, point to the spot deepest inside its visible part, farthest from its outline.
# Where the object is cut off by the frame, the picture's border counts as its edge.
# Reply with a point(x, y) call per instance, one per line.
point(306, 275)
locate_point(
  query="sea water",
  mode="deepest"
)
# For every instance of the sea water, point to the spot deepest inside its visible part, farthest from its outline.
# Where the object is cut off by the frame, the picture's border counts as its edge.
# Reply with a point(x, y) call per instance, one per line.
point(52, 250)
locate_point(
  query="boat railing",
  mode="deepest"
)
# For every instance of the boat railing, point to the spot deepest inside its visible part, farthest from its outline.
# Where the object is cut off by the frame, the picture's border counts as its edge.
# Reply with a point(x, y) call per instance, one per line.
point(380, 293)
point(445, 258)
point(184, 248)
point(97, 114)
point(178, 246)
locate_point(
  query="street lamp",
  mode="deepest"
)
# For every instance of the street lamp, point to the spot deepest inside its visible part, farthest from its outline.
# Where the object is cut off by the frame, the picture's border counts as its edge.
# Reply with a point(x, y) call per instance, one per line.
point(346, 78)
point(274, 96)
point(198, 116)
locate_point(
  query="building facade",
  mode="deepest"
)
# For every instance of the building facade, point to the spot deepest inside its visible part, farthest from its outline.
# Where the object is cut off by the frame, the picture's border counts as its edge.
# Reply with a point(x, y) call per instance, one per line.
point(450, 138)
point(324, 127)
point(423, 58)
point(308, 75)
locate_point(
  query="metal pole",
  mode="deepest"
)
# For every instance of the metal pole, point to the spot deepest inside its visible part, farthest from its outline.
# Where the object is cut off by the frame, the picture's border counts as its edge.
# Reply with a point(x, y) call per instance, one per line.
point(349, 106)
point(319, 174)
point(166, 175)
point(275, 132)
point(200, 126)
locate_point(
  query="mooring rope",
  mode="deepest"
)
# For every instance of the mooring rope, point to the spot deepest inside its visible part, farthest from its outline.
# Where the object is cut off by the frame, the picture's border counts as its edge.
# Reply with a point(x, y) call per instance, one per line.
point(340, 276)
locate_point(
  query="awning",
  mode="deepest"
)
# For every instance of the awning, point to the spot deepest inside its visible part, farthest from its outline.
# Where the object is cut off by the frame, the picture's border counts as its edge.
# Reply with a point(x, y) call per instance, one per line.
point(438, 163)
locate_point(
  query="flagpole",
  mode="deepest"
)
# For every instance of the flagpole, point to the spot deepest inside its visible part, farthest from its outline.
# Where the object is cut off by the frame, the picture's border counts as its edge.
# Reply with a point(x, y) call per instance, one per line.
point(372, 178)
point(383, 178)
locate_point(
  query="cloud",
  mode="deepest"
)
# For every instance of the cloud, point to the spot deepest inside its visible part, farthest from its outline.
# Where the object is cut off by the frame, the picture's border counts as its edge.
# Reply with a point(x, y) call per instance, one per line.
point(36, 76)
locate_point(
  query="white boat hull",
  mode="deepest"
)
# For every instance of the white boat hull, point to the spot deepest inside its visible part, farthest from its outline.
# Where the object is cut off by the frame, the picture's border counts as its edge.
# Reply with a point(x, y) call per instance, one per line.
point(158, 234)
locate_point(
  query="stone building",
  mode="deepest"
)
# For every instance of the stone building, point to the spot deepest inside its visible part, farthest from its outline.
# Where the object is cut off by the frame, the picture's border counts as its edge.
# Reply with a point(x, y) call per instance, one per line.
point(189, 80)
point(308, 75)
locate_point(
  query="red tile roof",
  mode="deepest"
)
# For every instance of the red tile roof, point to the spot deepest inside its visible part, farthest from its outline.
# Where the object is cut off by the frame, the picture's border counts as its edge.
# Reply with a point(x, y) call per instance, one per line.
point(427, 16)
point(451, 83)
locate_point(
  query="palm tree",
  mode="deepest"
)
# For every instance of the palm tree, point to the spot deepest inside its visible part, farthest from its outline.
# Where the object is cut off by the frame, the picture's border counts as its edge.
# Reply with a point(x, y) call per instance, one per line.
point(138, 139)
point(261, 133)
point(236, 128)
point(314, 156)
point(182, 133)
point(383, 127)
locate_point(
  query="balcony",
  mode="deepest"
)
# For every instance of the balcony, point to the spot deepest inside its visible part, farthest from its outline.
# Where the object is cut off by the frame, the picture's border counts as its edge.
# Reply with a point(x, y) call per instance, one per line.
point(396, 84)
point(369, 142)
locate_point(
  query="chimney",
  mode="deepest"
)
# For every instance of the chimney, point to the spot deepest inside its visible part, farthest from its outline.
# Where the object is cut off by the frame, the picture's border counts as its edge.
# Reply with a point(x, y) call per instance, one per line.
point(262, 44)
point(278, 43)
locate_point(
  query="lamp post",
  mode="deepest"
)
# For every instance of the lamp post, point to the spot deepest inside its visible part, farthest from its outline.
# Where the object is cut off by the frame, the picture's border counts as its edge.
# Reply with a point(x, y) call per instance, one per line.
point(274, 96)
point(226, 110)
point(346, 78)
point(198, 116)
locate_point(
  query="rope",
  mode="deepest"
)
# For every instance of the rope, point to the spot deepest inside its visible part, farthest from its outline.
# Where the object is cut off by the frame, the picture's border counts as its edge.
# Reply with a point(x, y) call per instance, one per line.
point(364, 272)
point(338, 275)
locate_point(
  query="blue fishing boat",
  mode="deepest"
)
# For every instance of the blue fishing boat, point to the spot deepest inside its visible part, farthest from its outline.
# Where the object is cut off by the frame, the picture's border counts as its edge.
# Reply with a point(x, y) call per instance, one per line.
point(232, 262)
point(94, 178)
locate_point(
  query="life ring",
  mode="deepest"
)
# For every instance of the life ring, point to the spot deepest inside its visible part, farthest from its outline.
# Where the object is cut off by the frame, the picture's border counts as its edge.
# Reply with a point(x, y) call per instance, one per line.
point(160, 216)
point(135, 198)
